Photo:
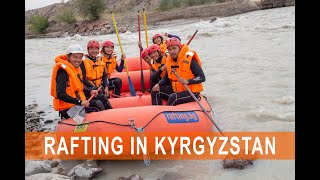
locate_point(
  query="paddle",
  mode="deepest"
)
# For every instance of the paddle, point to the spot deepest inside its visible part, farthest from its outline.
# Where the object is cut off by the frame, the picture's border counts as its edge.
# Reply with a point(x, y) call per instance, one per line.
point(192, 37)
point(77, 112)
point(205, 111)
point(131, 87)
point(141, 77)
point(145, 25)
point(236, 162)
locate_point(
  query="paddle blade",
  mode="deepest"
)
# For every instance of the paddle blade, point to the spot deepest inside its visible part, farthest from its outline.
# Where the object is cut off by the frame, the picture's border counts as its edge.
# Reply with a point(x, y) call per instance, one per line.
point(77, 113)
point(131, 87)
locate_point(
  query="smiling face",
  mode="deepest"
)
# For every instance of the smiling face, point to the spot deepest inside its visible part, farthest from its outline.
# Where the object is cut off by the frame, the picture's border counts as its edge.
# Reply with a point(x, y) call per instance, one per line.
point(108, 49)
point(147, 59)
point(157, 40)
point(154, 55)
point(75, 59)
point(174, 51)
point(93, 51)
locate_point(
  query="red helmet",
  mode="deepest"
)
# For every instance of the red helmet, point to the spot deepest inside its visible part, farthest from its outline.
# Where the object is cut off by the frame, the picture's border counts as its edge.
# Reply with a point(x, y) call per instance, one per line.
point(153, 48)
point(93, 43)
point(107, 43)
point(144, 53)
point(156, 35)
point(173, 42)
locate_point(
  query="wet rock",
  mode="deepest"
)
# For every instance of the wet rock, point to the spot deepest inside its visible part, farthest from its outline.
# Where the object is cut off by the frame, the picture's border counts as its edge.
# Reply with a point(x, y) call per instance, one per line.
point(31, 115)
point(57, 170)
point(35, 119)
point(36, 167)
point(213, 19)
point(47, 176)
point(35, 130)
point(236, 163)
point(131, 177)
point(42, 129)
point(31, 106)
point(122, 29)
point(55, 163)
point(40, 112)
point(48, 121)
point(88, 169)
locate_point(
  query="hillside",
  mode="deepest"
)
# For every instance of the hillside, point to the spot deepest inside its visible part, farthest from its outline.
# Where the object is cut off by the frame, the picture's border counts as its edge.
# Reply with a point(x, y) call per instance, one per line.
point(126, 14)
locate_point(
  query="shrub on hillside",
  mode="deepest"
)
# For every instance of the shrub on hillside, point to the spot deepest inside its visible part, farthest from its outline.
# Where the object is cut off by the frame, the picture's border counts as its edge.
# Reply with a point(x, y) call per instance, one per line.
point(91, 9)
point(38, 23)
point(67, 16)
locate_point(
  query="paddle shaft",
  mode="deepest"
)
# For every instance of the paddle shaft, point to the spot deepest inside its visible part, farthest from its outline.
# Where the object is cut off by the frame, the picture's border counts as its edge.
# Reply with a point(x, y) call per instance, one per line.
point(204, 110)
point(192, 37)
point(115, 27)
point(145, 25)
point(78, 112)
point(93, 95)
point(141, 77)
point(131, 86)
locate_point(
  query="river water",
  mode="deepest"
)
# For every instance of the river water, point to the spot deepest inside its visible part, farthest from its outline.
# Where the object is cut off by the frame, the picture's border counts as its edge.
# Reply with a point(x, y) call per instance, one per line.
point(249, 63)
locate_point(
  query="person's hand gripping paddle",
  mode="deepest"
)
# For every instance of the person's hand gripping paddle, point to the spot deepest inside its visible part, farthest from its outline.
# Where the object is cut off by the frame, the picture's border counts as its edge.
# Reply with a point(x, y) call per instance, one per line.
point(77, 113)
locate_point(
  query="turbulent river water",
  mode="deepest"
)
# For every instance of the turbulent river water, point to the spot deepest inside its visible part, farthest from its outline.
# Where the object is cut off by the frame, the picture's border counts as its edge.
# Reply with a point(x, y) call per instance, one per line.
point(249, 63)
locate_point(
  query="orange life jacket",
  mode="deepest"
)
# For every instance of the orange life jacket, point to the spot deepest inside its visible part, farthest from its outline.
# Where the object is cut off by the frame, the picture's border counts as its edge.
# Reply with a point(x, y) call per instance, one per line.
point(183, 62)
point(155, 65)
point(163, 48)
point(74, 87)
point(111, 64)
point(94, 70)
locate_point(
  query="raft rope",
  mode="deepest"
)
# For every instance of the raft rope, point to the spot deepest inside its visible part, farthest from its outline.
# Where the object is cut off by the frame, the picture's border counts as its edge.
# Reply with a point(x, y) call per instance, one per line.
point(129, 125)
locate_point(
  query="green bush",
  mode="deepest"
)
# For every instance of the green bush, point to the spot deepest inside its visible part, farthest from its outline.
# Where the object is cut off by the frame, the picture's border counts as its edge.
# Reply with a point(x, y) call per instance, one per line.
point(91, 9)
point(38, 23)
point(164, 5)
point(67, 16)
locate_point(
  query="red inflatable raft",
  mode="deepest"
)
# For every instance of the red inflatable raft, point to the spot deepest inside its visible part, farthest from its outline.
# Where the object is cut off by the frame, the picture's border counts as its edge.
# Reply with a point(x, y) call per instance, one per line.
point(139, 111)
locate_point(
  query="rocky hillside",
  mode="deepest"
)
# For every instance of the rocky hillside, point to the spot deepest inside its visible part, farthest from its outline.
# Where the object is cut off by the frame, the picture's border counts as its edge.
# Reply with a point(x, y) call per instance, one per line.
point(126, 15)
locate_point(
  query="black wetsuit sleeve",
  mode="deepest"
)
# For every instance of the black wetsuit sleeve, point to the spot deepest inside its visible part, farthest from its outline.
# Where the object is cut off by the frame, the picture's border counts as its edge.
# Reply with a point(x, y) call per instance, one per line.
point(171, 35)
point(119, 68)
point(105, 79)
point(198, 73)
point(156, 74)
point(165, 80)
point(61, 86)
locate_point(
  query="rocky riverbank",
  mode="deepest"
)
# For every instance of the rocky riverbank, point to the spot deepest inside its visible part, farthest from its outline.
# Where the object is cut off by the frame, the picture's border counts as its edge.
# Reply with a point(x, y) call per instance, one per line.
point(128, 22)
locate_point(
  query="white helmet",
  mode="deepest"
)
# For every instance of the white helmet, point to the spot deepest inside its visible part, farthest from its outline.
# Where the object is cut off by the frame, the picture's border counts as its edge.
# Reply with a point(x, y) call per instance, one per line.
point(74, 48)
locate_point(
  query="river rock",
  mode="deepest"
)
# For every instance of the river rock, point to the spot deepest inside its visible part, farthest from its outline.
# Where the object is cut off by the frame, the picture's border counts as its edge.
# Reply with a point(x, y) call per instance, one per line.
point(131, 177)
point(213, 19)
point(87, 170)
point(47, 176)
point(236, 163)
point(35, 167)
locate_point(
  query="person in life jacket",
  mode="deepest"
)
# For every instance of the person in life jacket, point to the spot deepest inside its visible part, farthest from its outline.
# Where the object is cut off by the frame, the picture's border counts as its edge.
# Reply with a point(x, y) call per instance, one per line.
point(187, 64)
point(109, 58)
point(158, 69)
point(94, 72)
point(67, 86)
point(158, 40)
